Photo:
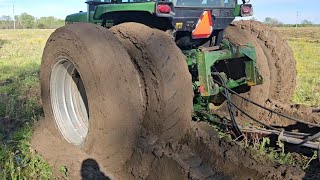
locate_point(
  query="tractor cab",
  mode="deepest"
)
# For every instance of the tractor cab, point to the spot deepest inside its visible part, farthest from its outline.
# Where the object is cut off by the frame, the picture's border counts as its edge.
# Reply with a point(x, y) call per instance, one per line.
point(93, 3)
point(181, 17)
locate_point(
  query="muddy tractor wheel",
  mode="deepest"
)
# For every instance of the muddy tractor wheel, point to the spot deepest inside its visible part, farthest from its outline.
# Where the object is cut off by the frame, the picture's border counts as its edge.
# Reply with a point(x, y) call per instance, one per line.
point(280, 58)
point(166, 76)
point(275, 63)
point(92, 94)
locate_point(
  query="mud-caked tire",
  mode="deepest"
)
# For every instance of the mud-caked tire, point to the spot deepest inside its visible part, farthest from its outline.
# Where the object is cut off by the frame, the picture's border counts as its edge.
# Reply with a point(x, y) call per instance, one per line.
point(282, 64)
point(166, 78)
point(114, 105)
point(275, 62)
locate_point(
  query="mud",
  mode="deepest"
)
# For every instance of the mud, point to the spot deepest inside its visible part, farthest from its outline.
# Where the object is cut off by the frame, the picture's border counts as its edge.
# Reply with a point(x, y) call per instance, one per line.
point(168, 84)
point(276, 64)
point(294, 110)
point(281, 61)
point(200, 154)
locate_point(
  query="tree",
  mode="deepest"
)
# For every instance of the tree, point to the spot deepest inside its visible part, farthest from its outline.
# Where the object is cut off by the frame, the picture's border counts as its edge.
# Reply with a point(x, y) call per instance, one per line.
point(6, 22)
point(306, 23)
point(49, 23)
point(5, 18)
point(46, 22)
point(272, 22)
point(27, 20)
point(254, 19)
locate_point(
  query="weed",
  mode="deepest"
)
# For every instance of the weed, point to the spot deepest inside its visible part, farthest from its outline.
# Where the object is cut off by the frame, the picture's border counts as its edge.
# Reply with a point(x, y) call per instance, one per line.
point(222, 133)
point(64, 171)
point(17, 160)
point(262, 151)
point(314, 157)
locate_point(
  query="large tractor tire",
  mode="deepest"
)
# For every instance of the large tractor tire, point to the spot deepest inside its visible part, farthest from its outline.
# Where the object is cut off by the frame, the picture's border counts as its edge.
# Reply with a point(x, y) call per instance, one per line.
point(275, 63)
point(166, 76)
point(92, 97)
point(280, 57)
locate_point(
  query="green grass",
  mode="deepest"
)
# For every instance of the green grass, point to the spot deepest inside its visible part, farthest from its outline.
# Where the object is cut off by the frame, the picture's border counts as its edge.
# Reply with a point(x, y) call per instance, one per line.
point(20, 105)
point(305, 43)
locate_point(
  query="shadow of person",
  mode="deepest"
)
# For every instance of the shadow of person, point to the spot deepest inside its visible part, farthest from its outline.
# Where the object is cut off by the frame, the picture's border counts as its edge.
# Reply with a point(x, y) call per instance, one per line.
point(90, 170)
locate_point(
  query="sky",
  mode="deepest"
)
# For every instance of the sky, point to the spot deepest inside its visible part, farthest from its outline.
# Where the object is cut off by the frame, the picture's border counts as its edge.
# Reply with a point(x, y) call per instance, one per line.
point(284, 10)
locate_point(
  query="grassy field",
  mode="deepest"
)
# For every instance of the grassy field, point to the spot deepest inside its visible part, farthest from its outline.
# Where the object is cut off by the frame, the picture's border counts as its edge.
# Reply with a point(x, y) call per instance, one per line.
point(305, 43)
point(20, 105)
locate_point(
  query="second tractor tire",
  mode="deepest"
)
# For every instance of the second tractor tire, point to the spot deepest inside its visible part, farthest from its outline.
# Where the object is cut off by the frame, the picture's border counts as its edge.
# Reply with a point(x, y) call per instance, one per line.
point(166, 78)
point(275, 62)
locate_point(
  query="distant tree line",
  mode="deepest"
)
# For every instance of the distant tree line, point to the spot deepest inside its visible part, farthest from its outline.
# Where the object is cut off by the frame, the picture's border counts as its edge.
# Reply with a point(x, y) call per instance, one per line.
point(27, 21)
point(273, 22)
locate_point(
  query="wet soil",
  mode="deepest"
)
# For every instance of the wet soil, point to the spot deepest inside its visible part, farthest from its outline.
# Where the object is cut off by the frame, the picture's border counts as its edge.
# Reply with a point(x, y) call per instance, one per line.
point(275, 62)
point(200, 154)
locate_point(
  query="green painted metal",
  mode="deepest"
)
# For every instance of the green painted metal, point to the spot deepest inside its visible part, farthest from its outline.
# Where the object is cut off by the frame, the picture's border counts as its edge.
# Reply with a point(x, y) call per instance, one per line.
point(191, 57)
point(237, 11)
point(207, 58)
point(252, 74)
point(77, 17)
point(96, 16)
point(234, 83)
point(82, 17)
point(107, 8)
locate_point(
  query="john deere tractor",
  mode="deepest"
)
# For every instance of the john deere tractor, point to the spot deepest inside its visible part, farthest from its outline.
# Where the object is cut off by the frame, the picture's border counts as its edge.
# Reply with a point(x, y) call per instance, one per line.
point(131, 67)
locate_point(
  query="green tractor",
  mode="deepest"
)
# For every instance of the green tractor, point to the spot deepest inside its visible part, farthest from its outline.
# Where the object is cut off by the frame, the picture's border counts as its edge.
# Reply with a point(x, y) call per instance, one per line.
point(131, 67)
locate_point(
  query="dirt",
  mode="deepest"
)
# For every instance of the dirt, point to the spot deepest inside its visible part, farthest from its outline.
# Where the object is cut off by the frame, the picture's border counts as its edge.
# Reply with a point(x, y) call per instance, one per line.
point(299, 111)
point(113, 90)
point(166, 77)
point(276, 64)
point(281, 60)
point(259, 93)
point(200, 154)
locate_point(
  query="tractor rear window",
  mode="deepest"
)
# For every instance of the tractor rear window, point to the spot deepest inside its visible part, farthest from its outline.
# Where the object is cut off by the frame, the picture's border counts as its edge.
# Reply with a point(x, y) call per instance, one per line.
point(205, 3)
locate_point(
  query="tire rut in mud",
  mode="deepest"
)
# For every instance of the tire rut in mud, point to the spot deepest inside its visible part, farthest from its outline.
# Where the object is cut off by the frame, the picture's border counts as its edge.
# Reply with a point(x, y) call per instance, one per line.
point(202, 155)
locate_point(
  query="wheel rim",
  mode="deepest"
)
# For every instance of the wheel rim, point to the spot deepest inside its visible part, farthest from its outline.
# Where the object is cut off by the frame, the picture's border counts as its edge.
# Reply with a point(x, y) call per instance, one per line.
point(69, 102)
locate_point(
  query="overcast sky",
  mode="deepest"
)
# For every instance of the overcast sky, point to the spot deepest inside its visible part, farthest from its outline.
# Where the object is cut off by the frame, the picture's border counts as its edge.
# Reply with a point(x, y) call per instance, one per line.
point(283, 10)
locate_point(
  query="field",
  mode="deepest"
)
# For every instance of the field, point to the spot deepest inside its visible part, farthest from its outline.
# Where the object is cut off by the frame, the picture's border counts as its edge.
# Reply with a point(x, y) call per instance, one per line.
point(20, 105)
point(305, 45)
point(305, 42)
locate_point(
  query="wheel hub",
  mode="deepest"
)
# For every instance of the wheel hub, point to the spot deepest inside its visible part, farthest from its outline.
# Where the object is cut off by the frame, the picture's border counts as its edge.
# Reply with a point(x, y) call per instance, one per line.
point(69, 102)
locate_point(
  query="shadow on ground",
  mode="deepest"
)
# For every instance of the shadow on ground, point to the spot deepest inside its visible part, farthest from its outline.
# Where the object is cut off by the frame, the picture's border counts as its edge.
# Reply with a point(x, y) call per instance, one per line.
point(8, 126)
point(90, 170)
point(313, 171)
